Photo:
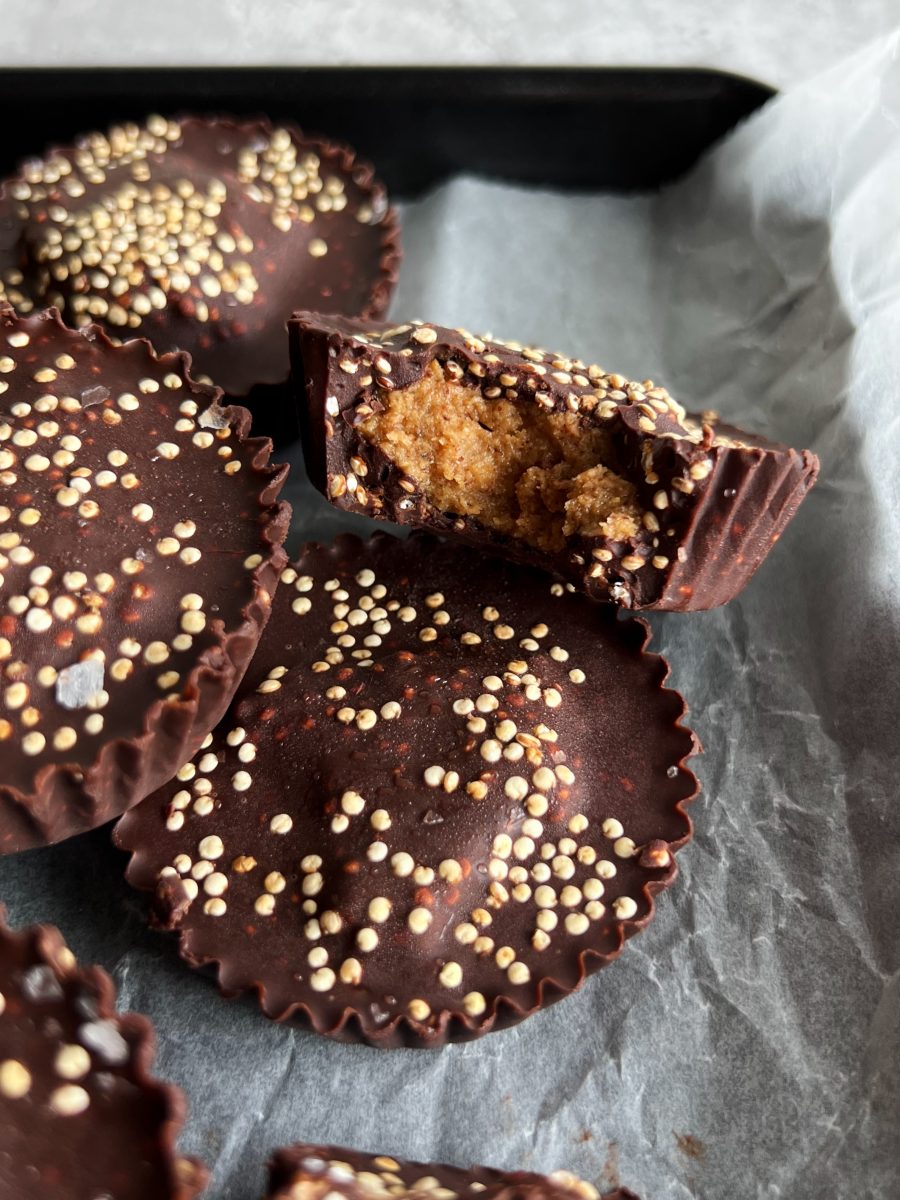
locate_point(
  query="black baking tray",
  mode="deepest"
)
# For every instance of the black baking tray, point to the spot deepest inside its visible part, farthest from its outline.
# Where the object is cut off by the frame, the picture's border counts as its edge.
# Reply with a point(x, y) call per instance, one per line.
point(615, 129)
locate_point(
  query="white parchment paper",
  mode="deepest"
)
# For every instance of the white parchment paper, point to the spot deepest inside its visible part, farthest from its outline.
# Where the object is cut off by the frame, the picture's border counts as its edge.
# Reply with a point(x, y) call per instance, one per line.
point(748, 1044)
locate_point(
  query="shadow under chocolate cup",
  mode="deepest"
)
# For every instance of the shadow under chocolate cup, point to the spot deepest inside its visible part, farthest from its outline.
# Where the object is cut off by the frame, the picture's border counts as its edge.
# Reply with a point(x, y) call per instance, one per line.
point(201, 234)
point(140, 547)
point(80, 1113)
point(447, 791)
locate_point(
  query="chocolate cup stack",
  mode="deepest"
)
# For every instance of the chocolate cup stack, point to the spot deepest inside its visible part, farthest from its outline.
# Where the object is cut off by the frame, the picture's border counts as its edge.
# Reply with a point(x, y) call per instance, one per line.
point(407, 792)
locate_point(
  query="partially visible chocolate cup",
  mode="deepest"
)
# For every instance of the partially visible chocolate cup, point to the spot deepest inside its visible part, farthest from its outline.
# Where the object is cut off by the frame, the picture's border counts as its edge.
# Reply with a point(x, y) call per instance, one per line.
point(447, 791)
point(80, 1115)
point(543, 459)
point(201, 234)
point(310, 1172)
point(140, 547)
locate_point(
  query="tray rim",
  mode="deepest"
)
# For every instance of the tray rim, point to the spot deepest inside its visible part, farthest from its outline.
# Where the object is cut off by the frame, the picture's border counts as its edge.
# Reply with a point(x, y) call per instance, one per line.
point(506, 72)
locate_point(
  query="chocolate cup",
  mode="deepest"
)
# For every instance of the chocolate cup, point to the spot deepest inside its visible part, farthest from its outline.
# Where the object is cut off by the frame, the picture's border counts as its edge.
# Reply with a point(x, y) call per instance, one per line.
point(77, 1123)
point(312, 1171)
point(725, 495)
point(66, 787)
point(327, 239)
point(253, 861)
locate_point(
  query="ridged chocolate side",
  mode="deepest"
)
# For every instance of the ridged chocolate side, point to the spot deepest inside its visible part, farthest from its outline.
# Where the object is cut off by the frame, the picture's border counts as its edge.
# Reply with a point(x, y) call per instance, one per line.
point(67, 798)
point(751, 496)
point(725, 495)
point(77, 1124)
point(310, 1171)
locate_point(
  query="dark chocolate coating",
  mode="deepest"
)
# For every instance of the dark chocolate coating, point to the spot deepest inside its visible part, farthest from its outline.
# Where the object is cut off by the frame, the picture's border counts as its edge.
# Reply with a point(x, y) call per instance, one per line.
point(715, 499)
point(80, 1116)
point(140, 525)
point(409, 796)
point(309, 1172)
point(214, 252)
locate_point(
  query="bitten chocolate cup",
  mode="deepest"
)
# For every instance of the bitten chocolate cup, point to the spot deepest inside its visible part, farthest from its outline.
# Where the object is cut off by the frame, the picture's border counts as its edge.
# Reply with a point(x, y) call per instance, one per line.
point(310, 1172)
point(447, 791)
point(201, 234)
point(140, 546)
point(80, 1115)
point(607, 482)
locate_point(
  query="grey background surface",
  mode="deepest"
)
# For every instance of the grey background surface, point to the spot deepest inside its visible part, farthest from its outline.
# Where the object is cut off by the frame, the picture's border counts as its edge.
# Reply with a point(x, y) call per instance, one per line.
point(778, 41)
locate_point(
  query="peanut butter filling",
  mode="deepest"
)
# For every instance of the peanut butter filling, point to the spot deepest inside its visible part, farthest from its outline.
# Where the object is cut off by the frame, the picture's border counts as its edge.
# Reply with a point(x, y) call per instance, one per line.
point(537, 476)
